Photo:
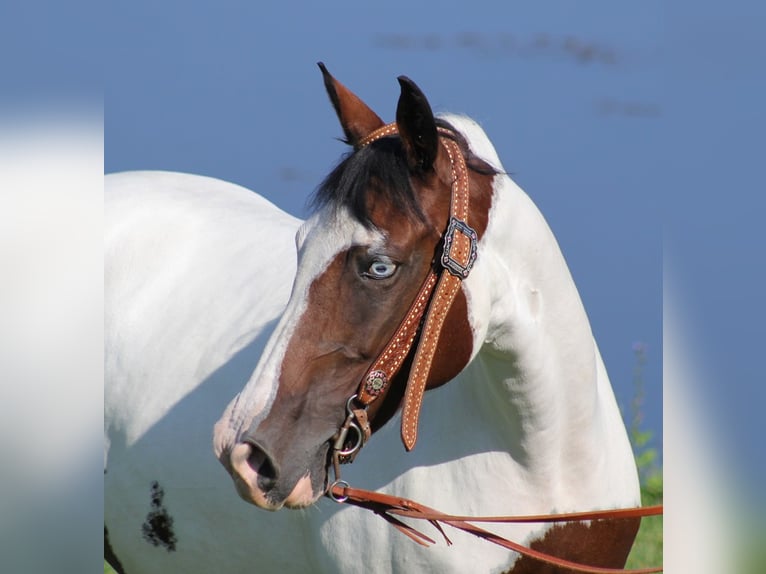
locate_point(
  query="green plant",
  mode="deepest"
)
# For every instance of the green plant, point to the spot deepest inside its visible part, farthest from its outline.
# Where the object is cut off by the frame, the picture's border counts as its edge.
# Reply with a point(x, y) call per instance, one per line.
point(647, 459)
point(647, 549)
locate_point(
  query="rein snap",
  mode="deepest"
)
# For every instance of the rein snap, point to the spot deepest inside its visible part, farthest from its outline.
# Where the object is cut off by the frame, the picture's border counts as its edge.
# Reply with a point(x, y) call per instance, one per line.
point(349, 439)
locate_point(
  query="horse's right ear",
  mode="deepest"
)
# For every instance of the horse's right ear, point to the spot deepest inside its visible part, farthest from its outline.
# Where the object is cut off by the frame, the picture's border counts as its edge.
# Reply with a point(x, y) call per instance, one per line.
point(417, 126)
point(356, 118)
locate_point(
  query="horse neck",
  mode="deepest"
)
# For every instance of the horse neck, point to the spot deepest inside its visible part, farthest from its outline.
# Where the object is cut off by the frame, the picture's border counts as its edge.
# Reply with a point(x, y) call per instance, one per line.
point(537, 356)
point(538, 340)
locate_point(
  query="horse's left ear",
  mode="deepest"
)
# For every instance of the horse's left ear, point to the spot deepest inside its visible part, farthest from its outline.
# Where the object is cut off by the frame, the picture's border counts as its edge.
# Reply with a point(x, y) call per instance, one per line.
point(417, 126)
point(356, 118)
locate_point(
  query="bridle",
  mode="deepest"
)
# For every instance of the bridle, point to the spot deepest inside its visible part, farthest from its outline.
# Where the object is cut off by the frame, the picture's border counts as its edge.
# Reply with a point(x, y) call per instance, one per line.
point(426, 316)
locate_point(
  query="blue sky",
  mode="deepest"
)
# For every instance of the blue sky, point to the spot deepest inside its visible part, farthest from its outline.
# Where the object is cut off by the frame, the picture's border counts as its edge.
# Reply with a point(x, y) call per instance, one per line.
point(570, 95)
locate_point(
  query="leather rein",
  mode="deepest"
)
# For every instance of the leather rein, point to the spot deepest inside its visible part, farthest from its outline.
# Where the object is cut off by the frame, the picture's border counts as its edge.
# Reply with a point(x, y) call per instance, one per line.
point(426, 316)
point(393, 508)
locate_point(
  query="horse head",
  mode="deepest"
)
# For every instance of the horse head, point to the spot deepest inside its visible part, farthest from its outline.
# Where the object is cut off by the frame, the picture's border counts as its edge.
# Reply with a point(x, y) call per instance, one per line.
point(376, 247)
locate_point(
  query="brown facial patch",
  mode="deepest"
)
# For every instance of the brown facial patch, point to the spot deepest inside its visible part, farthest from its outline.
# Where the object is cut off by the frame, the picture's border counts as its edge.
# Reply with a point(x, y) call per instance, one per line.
point(348, 319)
point(604, 543)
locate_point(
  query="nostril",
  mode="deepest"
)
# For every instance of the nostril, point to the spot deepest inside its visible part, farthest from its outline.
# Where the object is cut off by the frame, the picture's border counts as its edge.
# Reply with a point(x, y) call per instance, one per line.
point(264, 465)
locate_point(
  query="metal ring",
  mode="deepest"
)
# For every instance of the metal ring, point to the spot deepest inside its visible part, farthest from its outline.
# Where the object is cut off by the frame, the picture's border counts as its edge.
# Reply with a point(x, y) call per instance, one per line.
point(349, 410)
point(355, 447)
point(338, 499)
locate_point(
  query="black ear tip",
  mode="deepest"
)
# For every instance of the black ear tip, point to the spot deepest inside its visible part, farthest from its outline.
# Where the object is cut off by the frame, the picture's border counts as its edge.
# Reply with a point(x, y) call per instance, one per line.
point(410, 88)
point(406, 83)
point(328, 82)
point(325, 72)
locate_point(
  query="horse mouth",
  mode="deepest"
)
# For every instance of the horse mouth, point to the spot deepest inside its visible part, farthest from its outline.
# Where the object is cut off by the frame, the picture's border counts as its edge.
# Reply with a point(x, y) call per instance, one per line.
point(301, 496)
point(256, 479)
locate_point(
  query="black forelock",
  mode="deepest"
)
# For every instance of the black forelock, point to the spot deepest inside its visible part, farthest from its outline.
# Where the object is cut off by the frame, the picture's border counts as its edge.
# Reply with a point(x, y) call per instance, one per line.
point(378, 168)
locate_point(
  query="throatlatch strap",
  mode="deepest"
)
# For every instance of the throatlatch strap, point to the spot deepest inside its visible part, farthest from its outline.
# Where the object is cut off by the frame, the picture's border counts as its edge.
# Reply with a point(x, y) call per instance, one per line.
point(460, 248)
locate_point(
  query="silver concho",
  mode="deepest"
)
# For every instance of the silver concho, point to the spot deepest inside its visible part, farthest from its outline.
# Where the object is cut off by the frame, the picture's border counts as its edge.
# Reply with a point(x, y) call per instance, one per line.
point(375, 382)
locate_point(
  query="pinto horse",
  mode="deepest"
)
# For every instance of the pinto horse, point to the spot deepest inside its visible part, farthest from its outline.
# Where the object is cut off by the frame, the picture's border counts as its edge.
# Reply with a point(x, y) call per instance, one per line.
point(426, 268)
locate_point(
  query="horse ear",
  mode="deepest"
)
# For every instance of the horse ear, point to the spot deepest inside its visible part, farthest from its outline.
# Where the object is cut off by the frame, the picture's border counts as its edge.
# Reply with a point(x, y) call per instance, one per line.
point(356, 118)
point(417, 126)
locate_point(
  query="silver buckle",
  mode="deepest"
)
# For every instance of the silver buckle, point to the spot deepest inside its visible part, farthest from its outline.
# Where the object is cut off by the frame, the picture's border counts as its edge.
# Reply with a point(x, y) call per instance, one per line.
point(452, 265)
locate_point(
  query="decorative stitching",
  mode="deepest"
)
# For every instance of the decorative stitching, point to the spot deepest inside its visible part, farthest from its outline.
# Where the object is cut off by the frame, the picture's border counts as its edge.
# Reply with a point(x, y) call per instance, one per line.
point(381, 132)
point(445, 294)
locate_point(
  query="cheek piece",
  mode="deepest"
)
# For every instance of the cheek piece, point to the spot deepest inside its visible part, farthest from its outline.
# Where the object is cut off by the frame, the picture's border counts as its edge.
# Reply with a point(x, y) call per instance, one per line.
point(429, 309)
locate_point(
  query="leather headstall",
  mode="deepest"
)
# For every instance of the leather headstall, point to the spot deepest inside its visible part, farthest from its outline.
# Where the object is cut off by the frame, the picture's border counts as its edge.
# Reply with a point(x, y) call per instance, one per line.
point(429, 309)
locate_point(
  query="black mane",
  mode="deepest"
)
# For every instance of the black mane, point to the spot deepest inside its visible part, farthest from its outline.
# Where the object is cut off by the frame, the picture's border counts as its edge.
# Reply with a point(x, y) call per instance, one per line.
point(380, 167)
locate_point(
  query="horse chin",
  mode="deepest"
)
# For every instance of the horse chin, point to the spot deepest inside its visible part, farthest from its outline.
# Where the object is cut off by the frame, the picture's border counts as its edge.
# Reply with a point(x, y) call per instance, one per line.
point(302, 495)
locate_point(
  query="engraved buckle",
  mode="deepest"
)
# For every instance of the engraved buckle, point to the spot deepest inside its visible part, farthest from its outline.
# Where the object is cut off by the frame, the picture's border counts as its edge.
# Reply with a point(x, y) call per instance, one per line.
point(451, 264)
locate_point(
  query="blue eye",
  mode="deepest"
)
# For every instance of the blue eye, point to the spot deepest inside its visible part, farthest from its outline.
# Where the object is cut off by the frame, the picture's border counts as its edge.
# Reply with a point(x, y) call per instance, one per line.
point(381, 268)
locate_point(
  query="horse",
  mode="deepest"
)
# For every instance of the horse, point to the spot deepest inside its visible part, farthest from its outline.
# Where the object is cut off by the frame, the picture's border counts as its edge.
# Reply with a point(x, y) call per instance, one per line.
point(425, 270)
